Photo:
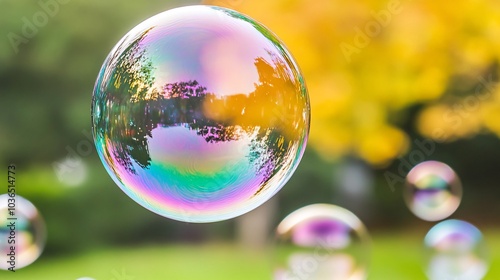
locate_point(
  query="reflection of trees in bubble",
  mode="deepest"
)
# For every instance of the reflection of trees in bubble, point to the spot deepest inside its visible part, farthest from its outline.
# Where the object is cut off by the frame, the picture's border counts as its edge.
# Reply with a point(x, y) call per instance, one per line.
point(183, 90)
point(276, 84)
point(275, 110)
point(129, 108)
point(122, 85)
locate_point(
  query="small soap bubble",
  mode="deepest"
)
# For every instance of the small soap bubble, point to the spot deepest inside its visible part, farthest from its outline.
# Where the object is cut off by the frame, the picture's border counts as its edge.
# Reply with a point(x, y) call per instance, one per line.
point(455, 250)
point(322, 242)
point(433, 191)
point(200, 114)
point(22, 232)
point(72, 172)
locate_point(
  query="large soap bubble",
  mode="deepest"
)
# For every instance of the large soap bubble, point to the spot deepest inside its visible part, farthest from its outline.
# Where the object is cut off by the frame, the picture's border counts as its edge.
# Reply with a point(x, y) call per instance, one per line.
point(321, 242)
point(22, 232)
point(455, 250)
point(433, 191)
point(200, 114)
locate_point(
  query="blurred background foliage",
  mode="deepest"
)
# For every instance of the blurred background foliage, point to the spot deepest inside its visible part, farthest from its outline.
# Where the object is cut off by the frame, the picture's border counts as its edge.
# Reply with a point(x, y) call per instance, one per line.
point(428, 74)
point(367, 63)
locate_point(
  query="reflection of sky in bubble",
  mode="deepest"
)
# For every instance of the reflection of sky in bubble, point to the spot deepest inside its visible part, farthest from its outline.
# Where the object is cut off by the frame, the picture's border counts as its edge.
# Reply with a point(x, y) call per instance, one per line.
point(433, 191)
point(217, 47)
point(321, 242)
point(30, 232)
point(455, 250)
point(200, 114)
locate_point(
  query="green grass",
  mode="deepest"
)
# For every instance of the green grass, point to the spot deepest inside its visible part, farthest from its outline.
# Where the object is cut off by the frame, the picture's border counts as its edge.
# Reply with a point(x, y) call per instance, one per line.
point(395, 256)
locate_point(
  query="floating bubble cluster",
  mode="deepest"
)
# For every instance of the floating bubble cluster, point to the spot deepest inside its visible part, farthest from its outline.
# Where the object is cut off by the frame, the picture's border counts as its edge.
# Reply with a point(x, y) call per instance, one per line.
point(455, 250)
point(200, 114)
point(433, 191)
point(321, 242)
point(22, 232)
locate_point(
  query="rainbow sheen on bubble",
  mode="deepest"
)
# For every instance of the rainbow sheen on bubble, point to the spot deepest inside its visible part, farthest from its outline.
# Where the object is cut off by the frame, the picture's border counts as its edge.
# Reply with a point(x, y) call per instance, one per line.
point(455, 250)
point(321, 242)
point(433, 191)
point(29, 233)
point(200, 114)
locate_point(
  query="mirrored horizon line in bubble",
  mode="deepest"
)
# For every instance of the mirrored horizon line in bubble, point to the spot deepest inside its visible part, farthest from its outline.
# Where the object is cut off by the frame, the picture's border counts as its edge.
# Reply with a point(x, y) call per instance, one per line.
point(242, 109)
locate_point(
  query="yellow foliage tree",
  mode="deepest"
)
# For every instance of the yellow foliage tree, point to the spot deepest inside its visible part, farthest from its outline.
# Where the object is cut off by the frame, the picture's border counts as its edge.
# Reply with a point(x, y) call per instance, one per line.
point(367, 61)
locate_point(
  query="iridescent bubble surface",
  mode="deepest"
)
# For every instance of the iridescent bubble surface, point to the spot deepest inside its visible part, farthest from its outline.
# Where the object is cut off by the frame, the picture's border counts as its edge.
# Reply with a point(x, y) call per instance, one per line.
point(455, 250)
point(200, 114)
point(21, 227)
point(433, 191)
point(321, 242)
